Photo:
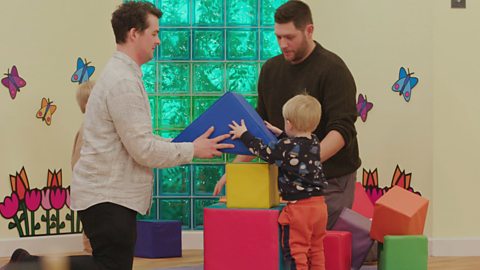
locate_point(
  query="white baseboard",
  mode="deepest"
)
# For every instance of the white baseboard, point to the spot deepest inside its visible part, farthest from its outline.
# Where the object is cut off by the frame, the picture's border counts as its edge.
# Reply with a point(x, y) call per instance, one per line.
point(72, 243)
point(454, 246)
point(192, 240)
point(44, 245)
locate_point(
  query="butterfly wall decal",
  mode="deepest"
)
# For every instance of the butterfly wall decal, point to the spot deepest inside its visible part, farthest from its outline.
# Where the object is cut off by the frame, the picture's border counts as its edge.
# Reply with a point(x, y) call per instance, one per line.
point(47, 109)
point(363, 107)
point(13, 82)
point(83, 72)
point(405, 84)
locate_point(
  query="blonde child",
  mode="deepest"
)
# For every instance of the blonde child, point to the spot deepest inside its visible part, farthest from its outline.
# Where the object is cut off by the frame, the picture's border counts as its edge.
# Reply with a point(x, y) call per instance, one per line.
point(301, 180)
point(82, 95)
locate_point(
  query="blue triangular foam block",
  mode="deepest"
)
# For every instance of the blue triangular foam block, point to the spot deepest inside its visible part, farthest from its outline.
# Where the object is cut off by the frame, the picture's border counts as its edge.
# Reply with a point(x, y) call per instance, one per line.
point(230, 107)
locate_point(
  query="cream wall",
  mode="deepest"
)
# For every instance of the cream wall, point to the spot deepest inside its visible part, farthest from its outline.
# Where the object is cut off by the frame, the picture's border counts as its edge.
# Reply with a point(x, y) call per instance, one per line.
point(43, 39)
point(456, 125)
point(432, 136)
point(375, 39)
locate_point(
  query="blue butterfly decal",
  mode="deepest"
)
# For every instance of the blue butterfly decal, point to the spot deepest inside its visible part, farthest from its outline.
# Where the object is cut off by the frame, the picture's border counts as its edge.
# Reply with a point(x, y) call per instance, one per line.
point(405, 84)
point(83, 72)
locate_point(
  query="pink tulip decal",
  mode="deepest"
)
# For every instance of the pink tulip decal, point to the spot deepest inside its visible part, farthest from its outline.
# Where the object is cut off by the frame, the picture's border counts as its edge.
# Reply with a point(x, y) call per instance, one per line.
point(46, 205)
point(374, 192)
point(58, 197)
point(370, 183)
point(33, 198)
point(24, 205)
point(9, 207)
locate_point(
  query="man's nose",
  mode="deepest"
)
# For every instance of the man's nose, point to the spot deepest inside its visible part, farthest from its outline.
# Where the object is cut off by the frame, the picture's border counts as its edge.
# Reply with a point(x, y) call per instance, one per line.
point(282, 43)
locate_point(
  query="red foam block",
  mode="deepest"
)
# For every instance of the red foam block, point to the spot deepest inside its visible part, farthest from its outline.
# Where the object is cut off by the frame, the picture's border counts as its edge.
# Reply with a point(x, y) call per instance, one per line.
point(361, 203)
point(338, 250)
point(239, 239)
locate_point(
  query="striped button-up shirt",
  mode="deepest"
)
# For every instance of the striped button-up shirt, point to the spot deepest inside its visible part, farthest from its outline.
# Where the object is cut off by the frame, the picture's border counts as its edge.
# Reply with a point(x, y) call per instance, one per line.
point(119, 148)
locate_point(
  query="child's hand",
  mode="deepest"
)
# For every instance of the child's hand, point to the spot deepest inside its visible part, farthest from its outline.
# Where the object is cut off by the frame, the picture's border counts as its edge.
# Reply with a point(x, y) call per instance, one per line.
point(237, 130)
point(273, 129)
point(219, 185)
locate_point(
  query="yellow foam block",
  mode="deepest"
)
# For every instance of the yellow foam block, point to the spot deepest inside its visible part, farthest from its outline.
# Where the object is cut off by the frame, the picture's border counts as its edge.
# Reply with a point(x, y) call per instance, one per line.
point(252, 185)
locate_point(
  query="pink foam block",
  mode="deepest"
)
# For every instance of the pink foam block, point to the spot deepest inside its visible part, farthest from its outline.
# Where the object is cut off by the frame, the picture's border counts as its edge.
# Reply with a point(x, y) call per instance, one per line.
point(361, 202)
point(239, 239)
point(338, 250)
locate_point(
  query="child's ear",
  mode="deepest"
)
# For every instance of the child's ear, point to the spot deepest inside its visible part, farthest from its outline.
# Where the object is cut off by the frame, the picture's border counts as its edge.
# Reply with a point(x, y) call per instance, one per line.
point(288, 124)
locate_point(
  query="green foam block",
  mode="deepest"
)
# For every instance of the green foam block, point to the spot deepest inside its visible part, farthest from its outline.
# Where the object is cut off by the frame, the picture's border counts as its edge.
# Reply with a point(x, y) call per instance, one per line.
point(403, 252)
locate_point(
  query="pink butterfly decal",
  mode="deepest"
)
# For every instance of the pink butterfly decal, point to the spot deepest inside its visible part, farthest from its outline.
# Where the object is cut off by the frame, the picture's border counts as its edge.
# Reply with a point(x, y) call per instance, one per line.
point(363, 107)
point(13, 82)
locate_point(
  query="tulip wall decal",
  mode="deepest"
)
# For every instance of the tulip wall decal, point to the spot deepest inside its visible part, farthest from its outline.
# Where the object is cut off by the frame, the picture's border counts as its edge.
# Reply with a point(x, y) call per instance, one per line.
point(374, 191)
point(49, 203)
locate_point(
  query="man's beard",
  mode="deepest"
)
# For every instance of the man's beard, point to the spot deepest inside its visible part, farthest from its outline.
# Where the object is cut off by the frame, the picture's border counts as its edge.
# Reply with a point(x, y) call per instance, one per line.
point(300, 53)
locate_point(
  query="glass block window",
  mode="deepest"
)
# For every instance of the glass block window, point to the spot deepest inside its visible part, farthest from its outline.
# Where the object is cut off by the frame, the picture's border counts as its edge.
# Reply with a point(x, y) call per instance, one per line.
point(208, 48)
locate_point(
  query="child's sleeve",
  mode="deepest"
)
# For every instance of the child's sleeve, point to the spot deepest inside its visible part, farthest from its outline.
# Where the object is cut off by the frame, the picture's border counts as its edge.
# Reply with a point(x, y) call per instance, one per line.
point(256, 146)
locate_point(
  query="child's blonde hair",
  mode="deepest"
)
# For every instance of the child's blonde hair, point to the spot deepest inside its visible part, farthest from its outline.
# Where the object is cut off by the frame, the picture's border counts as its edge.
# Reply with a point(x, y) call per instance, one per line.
point(83, 92)
point(303, 111)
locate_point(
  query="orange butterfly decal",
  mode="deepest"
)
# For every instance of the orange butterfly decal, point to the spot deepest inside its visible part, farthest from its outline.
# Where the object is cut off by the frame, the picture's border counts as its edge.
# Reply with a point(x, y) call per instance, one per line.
point(46, 111)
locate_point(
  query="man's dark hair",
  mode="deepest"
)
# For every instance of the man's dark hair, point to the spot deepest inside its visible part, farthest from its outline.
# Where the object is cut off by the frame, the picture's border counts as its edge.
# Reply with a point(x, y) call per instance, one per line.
point(132, 15)
point(294, 11)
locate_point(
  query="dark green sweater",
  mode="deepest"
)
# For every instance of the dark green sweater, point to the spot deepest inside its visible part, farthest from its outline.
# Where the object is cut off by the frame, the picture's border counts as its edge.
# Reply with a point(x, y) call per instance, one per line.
point(326, 77)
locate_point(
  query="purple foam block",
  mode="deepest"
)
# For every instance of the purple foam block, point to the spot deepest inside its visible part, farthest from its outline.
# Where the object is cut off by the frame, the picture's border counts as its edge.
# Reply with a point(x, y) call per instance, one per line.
point(158, 239)
point(359, 227)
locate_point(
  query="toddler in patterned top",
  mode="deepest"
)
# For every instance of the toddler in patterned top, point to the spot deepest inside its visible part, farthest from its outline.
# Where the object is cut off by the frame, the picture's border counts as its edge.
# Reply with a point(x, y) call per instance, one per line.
point(301, 180)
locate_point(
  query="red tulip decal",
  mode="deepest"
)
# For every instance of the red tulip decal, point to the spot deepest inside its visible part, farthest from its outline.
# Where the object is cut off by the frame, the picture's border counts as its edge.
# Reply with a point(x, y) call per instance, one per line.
point(54, 179)
point(19, 183)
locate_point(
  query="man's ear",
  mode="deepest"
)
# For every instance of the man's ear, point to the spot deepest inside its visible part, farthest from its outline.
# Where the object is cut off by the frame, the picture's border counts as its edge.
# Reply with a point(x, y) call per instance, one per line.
point(309, 30)
point(132, 34)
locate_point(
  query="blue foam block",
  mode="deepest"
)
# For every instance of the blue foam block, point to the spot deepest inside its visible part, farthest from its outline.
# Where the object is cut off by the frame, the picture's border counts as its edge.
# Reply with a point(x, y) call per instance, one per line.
point(230, 107)
point(158, 239)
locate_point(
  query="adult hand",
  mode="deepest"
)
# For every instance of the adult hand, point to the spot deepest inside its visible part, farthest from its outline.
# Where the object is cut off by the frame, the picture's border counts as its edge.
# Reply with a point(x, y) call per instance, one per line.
point(203, 147)
point(273, 129)
point(219, 185)
point(237, 130)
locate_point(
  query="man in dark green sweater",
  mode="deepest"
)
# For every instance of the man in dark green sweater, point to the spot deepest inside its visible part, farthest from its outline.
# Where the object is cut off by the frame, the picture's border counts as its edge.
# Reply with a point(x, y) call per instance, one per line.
point(305, 66)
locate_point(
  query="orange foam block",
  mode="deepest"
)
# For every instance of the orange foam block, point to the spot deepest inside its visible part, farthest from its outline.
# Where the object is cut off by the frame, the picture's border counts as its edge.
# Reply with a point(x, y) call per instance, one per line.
point(398, 212)
point(361, 203)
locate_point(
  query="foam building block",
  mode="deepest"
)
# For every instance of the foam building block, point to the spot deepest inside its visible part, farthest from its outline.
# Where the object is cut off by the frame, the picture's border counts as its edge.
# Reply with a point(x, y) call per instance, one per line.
point(404, 252)
point(158, 239)
point(230, 107)
point(361, 202)
point(359, 227)
point(337, 247)
point(252, 185)
point(239, 239)
point(398, 212)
